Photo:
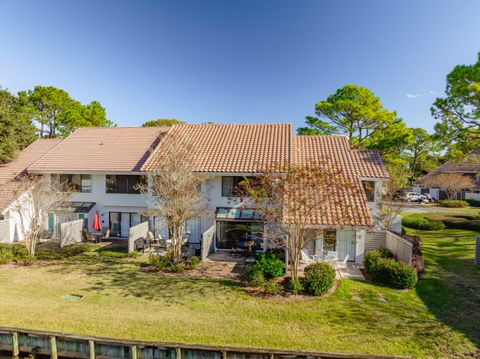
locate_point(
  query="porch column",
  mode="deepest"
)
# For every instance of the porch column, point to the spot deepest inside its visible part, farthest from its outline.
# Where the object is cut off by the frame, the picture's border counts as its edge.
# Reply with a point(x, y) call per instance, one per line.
point(360, 245)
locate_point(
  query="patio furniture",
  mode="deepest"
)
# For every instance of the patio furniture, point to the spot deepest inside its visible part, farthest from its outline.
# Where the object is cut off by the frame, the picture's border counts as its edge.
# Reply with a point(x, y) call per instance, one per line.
point(140, 245)
point(332, 258)
point(344, 262)
point(151, 240)
point(107, 235)
point(306, 259)
point(90, 238)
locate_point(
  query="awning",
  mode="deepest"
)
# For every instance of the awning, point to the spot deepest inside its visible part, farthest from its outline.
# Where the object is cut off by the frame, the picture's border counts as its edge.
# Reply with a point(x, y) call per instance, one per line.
point(77, 207)
point(237, 214)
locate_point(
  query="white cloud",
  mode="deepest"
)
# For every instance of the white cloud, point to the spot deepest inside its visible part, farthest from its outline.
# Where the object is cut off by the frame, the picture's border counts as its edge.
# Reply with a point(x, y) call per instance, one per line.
point(421, 94)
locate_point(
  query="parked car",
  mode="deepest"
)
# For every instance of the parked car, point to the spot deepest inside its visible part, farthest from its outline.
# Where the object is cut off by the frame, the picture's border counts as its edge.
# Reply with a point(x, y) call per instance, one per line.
point(413, 197)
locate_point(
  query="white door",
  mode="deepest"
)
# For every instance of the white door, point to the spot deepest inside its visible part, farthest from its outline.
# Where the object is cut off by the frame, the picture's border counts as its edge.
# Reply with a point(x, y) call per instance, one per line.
point(346, 244)
point(124, 224)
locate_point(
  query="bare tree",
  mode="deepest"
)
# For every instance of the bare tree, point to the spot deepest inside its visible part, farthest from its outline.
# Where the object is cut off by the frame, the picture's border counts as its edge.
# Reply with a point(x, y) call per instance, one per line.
point(35, 197)
point(175, 189)
point(295, 199)
point(388, 204)
point(450, 182)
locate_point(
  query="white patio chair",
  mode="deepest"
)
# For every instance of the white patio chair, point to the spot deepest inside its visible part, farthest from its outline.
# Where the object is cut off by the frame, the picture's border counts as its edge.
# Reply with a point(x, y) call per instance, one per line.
point(306, 259)
point(333, 254)
point(344, 262)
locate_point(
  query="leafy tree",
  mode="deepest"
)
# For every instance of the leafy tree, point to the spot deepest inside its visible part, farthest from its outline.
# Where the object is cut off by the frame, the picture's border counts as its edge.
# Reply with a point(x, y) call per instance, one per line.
point(421, 153)
point(358, 113)
point(57, 114)
point(162, 122)
point(16, 130)
point(460, 107)
point(458, 111)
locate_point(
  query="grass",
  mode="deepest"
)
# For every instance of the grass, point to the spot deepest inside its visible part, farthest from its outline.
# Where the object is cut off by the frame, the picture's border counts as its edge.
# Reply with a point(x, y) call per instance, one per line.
point(119, 300)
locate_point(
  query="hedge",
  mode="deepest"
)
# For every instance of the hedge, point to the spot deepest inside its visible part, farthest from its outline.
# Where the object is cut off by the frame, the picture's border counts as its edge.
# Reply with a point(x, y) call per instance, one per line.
point(417, 221)
point(473, 202)
point(452, 203)
point(468, 222)
point(389, 271)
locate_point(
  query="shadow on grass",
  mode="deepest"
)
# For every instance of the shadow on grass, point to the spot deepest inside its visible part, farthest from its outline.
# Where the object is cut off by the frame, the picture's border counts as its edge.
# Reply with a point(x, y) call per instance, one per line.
point(451, 287)
point(124, 277)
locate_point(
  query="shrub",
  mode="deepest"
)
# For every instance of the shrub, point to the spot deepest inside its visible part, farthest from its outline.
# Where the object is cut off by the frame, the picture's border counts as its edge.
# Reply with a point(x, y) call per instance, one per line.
point(295, 286)
point(193, 262)
point(385, 252)
point(469, 222)
point(452, 203)
point(272, 288)
point(417, 221)
point(27, 261)
point(254, 276)
point(473, 202)
point(319, 278)
point(175, 267)
point(158, 262)
point(370, 261)
point(6, 256)
point(270, 265)
point(389, 271)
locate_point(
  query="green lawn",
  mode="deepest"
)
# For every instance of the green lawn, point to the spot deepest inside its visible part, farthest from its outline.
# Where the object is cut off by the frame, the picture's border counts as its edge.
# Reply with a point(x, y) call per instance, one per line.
point(122, 301)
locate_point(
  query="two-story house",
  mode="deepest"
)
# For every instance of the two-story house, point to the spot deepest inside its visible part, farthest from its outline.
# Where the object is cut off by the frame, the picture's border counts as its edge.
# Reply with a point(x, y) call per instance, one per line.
point(105, 165)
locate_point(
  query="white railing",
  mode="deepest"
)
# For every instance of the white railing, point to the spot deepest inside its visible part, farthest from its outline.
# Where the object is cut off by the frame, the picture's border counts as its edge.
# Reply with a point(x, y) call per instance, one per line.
point(4, 231)
point(71, 232)
point(400, 247)
point(136, 232)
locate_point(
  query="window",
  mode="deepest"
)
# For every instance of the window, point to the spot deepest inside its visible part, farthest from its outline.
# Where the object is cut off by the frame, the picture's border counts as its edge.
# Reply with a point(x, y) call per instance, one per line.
point(369, 187)
point(124, 183)
point(231, 185)
point(73, 182)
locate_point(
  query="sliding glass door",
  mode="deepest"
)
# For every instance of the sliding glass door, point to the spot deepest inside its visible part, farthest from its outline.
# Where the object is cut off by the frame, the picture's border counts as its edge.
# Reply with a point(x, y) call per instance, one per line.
point(236, 234)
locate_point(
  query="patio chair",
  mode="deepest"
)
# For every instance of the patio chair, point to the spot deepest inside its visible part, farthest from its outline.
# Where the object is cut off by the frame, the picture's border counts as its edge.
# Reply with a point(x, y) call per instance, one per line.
point(90, 238)
point(306, 259)
point(139, 245)
point(107, 235)
point(344, 262)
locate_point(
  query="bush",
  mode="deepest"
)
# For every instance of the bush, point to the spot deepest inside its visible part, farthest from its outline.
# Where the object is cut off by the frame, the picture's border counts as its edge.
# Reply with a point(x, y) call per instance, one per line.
point(319, 278)
point(6, 256)
point(270, 265)
point(473, 202)
point(272, 288)
point(370, 261)
point(295, 286)
point(27, 261)
point(469, 222)
point(192, 262)
point(158, 262)
point(385, 252)
point(254, 276)
point(417, 221)
point(452, 203)
point(389, 271)
point(175, 267)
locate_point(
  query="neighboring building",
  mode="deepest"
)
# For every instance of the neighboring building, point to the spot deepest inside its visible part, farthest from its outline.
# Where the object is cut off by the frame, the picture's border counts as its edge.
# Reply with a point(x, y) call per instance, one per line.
point(105, 164)
point(468, 166)
point(9, 172)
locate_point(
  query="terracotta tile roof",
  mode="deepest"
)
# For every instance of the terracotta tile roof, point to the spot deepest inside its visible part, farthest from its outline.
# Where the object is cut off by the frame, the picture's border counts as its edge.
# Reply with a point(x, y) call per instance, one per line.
point(11, 170)
point(354, 164)
point(363, 163)
point(242, 148)
point(101, 149)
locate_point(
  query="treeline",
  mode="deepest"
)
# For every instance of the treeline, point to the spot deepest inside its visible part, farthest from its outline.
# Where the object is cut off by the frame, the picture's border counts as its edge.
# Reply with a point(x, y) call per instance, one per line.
point(44, 112)
point(408, 152)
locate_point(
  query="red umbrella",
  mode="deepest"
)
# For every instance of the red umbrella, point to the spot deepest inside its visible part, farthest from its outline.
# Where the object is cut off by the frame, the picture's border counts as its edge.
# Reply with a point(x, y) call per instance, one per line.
point(96, 222)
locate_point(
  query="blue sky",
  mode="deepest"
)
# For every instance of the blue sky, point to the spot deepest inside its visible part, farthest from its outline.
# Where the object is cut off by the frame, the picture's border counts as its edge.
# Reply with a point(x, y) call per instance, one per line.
point(236, 61)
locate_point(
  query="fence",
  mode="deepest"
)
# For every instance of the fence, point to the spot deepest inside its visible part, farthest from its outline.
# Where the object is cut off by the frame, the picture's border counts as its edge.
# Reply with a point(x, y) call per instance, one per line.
point(136, 232)
point(207, 244)
point(21, 341)
point(400, 247)
point(71, 232)
point(477, 250)
point(4, 231)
